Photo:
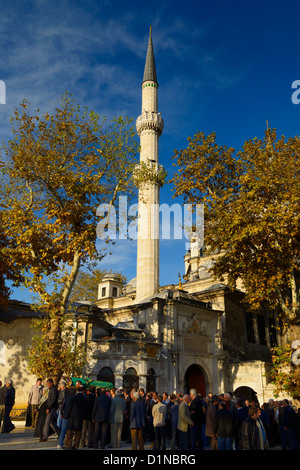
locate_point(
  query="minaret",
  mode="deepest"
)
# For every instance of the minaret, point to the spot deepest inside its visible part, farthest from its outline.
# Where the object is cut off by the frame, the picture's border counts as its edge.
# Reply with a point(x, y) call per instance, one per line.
point(149, 127)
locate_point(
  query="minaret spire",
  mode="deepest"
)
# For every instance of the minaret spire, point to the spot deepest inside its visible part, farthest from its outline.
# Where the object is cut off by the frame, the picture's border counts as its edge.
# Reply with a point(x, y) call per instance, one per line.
point(149, 127)
point(150, 69)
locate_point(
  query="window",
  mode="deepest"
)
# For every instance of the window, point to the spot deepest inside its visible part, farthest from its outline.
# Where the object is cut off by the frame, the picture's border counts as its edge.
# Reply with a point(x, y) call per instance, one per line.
point(261, 327)
point(272, 332)
point(115, 292)
point(250, 328)
point(106, 375)
point(151, 381)
point(103, 292)
point(130, 379)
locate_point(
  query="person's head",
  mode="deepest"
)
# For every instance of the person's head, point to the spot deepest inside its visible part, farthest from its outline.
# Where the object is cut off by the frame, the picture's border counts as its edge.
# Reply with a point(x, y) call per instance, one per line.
point(165, 395)
point(50, 383)
point(222, 405)
point(214, 399)
point(186, 398)
point(159, 398)
point(285, 402)
point(135, 396)
point(38, 382)
point(62, 384)
point(8, 382)
point(193, 393)
point(252, 412)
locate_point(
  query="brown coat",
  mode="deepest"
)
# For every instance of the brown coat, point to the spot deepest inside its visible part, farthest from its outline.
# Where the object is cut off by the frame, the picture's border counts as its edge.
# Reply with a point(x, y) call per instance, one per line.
point(210, 416)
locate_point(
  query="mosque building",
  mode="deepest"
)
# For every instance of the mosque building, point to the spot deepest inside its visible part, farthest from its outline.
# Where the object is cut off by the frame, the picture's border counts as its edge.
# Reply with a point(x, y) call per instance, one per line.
point(197, 334)
point(172, 338)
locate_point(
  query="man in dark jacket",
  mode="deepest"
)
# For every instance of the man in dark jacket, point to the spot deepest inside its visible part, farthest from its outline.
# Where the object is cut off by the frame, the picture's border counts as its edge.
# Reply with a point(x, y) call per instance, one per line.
point(9, 402)
point(76, 413)
point(174, 408)
point(249, 433)
point(137, 421)
point(100, 417)
point(197, 415)
point(88, 423)
point(289, 423)
point(52, 406)
point(126, 431)
point(223, 427)
point(212, 408)
point(241, 414)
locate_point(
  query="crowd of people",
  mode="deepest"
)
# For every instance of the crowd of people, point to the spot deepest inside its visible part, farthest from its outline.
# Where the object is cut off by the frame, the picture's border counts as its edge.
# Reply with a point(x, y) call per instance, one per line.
point(98, 418)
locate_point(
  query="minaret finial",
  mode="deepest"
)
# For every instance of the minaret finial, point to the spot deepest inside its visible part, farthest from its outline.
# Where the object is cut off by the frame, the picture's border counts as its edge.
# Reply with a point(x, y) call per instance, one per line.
point(150, 31)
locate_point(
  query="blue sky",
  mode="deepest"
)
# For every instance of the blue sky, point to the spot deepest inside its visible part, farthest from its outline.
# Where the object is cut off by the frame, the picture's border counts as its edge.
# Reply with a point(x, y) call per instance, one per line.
point(223, 66)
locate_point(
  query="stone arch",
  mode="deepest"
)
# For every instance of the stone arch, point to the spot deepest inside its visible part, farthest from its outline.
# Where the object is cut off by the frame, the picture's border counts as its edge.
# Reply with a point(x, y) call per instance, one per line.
point(106, 375)
point(194, 378)
point(246, 392)
point(204, 369)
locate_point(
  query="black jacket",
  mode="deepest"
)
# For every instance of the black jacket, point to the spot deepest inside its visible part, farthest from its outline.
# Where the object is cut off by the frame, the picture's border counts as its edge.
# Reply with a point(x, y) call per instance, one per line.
point(76, 411)
point(289, 417)
point(10, 396)
point(249, 435)
point(196, 411)
point(3, 391)
point(223, 423)
point(101, 408)
point(52, 400)
point(91, 400)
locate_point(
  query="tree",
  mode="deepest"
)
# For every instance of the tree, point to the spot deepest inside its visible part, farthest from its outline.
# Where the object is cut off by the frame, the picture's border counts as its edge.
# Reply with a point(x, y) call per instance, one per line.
point(252, 212)
point(7, 272)
point(252, 209)
point(57, 169)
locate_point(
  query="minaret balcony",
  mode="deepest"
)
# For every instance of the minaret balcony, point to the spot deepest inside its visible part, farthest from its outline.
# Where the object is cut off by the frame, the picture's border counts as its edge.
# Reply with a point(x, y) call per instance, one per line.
point(149, 121)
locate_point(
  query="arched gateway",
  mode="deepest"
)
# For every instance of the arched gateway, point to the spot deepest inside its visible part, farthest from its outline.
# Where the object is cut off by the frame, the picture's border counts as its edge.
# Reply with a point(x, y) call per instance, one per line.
point(194, 378)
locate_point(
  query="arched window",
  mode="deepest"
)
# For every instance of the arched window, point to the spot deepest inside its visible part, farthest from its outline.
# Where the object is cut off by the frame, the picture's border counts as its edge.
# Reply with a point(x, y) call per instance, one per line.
point(130, 379)
point(106, 375)
point(151, 381)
